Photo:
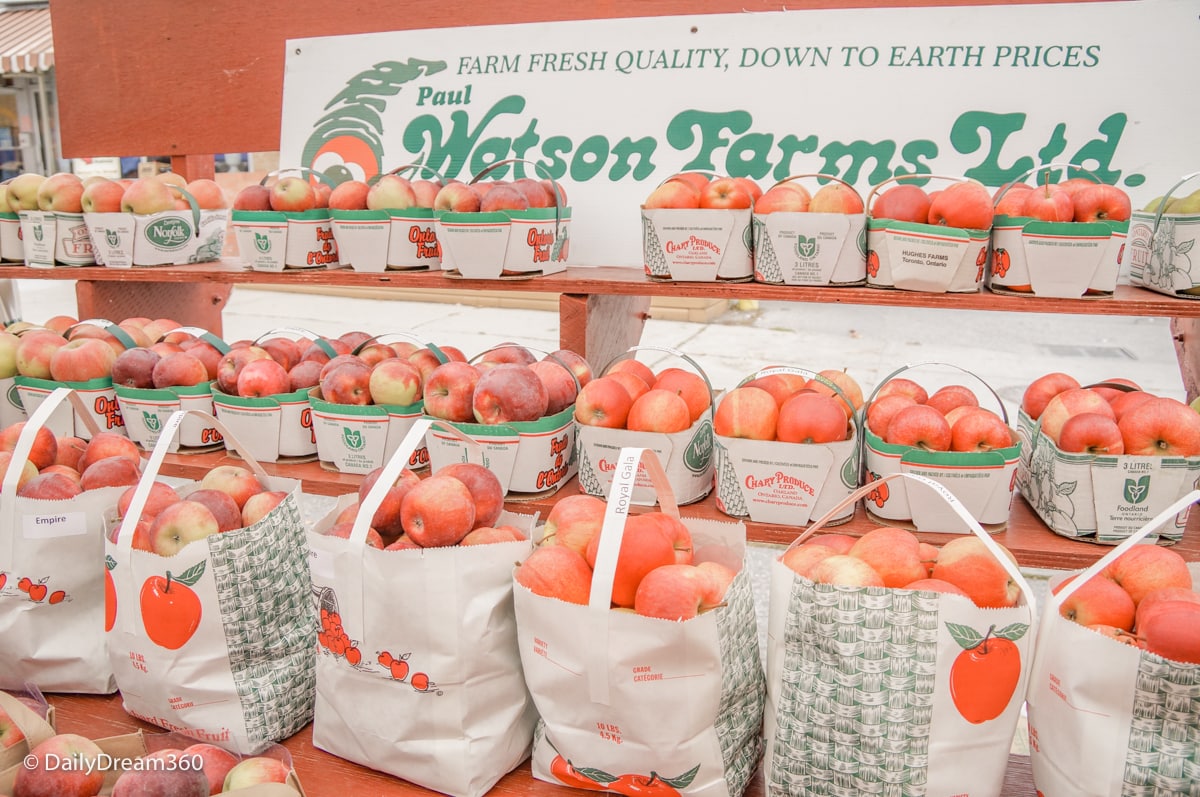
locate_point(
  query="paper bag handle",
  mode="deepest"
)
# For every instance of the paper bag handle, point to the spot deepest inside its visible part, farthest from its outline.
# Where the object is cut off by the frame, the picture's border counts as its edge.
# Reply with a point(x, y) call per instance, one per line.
point(36, 729)
point(1056, 600)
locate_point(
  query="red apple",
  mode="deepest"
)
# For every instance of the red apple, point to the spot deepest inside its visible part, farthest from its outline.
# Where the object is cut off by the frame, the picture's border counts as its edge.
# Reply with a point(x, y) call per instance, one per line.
point(44, 771)
point(1041, 390)
point(102, 196)
point(573, 521)
point(1173, 631)
point(689, 385)
point(672, 592)
point(725, 193)
point(438, 511)
point(179, 369)
point(457, 198)
point(605, 402)
point(255, 770)
point(44, 451)
point(893, 553)
point(811, 418)
point(50, 486)
point(1145, 568)
point(348, 382)
point(901, 385)
point(450, 390)
point(387, 519)
point(293, 194)
point(508, 393)
point(146, 196)
point(673, 194)
point(1091, 433)
point(644, 546)
point(304, 375)
point(556, 571)
point(1101, 202)
point(968, 564)
point(1073, 401)
point(222, 506)
point(783, 198)
point(180, 524)
point(575, 362)
point(486, 490)
point(215, 763)
point(238, 482)
point(231, 364)
point(82, 360)
point(108, 444)
point(980, 429)
point(902, 202)
point(659, 411)
point(802, 558)
point(160, 497)
point(1097, 601)
point(881, 411)
point(135, 368)
point(349, 195)
point(1009, 199)
point(1161, 426)
point(561, 387)
point(747, 412)
point(109, 472)
point(947, 398)
point(966, 204)
point(1049, 203)
point(920, 426)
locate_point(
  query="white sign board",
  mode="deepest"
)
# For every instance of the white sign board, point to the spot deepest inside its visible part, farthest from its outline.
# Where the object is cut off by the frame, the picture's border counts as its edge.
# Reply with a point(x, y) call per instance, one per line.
point(613, 107)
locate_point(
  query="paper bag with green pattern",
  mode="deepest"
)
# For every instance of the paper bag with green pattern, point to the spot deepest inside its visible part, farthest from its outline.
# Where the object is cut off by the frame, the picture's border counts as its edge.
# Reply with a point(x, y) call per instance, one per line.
point(635, 704)
point(889, 691)
point(216, 642)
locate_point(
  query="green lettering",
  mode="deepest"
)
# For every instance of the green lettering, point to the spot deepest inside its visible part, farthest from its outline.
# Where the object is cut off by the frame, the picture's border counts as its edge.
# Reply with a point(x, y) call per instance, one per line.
point(690, 127)
point(789, 148)
point(911, 153)
point(625, 150)
point(748, 156)
point(589, 158)
point(448, 156)
point(1099, 152)
point(965, 137)
point(859, 152)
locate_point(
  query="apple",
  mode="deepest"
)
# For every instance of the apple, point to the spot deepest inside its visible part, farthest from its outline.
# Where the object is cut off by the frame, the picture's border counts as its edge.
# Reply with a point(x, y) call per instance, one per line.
point(426, 192)
point(1173, 631)
point(61, 192)
point(240, 483)
point(178, 370)
point(560, 382)
point(341, 359)
point(633, 384)
point(350, 195)
point(575, 362)
point(457, 198)
point(215, 763)
point(556, 571)
point(674, 194)
point(48, 486)
point(1009, 199)
point(902, 385)
point(1161, 426)
point(780, 385)
point(146, 196)
point(320, 349)
point(259, 505)
point(44, 451)
point(171, 778)
point(746, 412)
point(342, 530)
point(230, 366)
point(28, 469)
point(902, 202)
point(811, 418)
point(394, 381)
point(109, 472)
point(659, 410)
point(70, 449)
point(486, 490)
point(1091, 433)
point(23, 191)
point(449, 391)
point(696, 180)
point(783, 198)
point(508, 393)
point(438, 511)
point(844, 570)
point(135, 368)
point(505, 353)
point(969, 565)
point(1113, 387)
point(293, 194)
point(161, 496)
point(604, 402)
point(573, 521)
point(8, 354)
point(935, 585)
point(1048, 203)
point(672, 592)
point(102, 196)
point(104, 445)
point(1098, 601)
point(689, 386)
point(535, 193)
point(967, 205)
point(226, 511)
point(725, 193)
point(894, 553)
point(391, 192)
point(1039, 392)
point(179, 524)
point(346, 383)
point(253, 197)
point(1073, 401)
point(35, 350)
point(881, 411)
point(947, 398)
point(387, 519)
point(1101, 202)
point(804, 557)
point(255, 770)
point(304, 375)
point(10, 734)
point(836, 198)
point(487, 535)
point(1145, 607)
point(207, 193)
point(42, 772)
point(980, 429)
point(644, 546)
point(1145, 568)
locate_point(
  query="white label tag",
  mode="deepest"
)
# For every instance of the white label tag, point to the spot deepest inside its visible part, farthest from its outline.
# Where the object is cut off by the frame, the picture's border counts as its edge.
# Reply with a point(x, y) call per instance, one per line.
point(63, 524)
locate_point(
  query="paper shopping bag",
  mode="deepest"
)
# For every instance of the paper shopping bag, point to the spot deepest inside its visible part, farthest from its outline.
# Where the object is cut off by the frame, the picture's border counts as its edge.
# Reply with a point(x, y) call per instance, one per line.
point(1108, 719)
point(636, 704)
point(216, 642)
point(52, 585)
point(874, 690)
point(22, 728)
point(418, 673)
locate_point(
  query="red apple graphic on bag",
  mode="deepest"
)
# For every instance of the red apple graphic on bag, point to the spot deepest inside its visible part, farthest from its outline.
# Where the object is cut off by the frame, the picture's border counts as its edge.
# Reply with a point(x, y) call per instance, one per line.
point(984, 676)
point(170, 608)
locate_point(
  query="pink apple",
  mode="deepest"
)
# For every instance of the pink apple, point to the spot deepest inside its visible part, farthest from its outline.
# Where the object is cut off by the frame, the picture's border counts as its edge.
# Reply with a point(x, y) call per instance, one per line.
point(180, 369)
point(391, 192)
point(222, 506)
point(262, 377)
point(573, 521)
point(240, 483)
point(179, 524)
point(145, 196)
point(438, 511)
point(1073, 401)
point(42, 773)
point(486, 490)
point(255, 770)
point(293, 194)
point(394, 381)
point(508, 393)
point(215, 763)
point(556, 571)
point(450, 390)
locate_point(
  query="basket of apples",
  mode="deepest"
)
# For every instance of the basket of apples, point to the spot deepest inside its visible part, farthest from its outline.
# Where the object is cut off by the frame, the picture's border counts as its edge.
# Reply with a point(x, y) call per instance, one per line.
point(787, 445)
point(387, 223)
point(78, 355)
point(518, 406)
point(444, 547)
point(503, 229)
point(368, 399)
point(11, 410)
point(12, 244)
point(285, 223)
point(954, 622)
point(1059, 239)
point(1100, 461)
point(669, 410)
point(696, 227)
point(933, 241)
point(1115, 639)
point(45, 227)
point(803, 238)
point(946, 435)
point(174, 372)
point(624, 619)
point(1160, 237)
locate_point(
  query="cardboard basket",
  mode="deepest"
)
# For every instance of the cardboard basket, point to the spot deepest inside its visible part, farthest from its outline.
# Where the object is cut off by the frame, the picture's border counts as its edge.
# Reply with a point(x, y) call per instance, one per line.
point(275, 428)
point(169, 238)
point(509, 244)
point(982, 481)
point(698, 244)
point(388, 240)
point(1101, 498)
point(810, 248)
point(788, 483)
point(11, 408)
point(687, 456)
point(1060, 259)
point(1162, 248)
point(923, 257)
point(270, 240)
point(12, 239)
point(52, 239)
point(360, 438)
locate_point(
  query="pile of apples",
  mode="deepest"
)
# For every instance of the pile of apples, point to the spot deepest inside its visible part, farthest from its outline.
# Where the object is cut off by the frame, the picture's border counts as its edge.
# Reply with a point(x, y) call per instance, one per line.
point(701, 190)
point(656, 575)
point(966, 204)
point(65, 350)
point(1106, 419)
point(228, 497)
point(65, 192)
point(197, 770)
point(896, 558)
point(631, 395)
point(289, 194)
point(791, 197)
point(61, 467)
point(392, 192)
point(1075, 199)
point(1144, 598)
point(461, 504)
point(904, 413)
point(506, 384)
point(790, 408)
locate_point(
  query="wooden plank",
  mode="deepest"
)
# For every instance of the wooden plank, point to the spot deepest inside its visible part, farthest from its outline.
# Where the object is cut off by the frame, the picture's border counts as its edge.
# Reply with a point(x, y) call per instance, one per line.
point(600, 328)
point(196, 304)
point(1185, 332)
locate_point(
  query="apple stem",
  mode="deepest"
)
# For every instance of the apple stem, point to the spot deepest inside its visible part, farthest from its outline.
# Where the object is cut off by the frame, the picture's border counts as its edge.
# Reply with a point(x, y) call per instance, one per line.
point(986, 637)
point(167, 586)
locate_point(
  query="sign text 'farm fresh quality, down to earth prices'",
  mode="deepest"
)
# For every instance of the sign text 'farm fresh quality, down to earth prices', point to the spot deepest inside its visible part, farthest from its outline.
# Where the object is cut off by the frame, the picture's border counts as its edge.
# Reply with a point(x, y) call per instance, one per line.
point(612, 107)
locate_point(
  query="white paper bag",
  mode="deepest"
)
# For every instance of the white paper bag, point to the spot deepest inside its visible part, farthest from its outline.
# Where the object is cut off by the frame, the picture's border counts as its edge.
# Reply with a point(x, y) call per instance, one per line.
point(434, 693)
point(1108, 719)
point(52, 579)
point(626, 700)
point(866, 689)
point(216, 642)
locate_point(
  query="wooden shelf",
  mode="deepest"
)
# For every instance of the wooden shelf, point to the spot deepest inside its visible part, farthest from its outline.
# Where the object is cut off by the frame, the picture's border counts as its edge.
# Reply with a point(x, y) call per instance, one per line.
point(1027, 536)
